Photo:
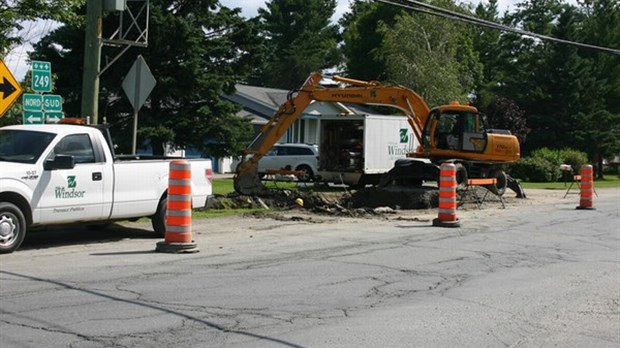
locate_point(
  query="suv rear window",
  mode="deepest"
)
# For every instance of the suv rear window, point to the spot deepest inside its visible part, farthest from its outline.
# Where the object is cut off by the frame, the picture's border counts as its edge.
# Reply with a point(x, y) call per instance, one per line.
point(296, 151)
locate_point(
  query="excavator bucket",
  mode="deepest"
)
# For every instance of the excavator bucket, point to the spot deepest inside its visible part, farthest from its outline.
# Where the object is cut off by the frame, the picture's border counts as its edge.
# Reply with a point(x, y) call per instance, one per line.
point(247, 182)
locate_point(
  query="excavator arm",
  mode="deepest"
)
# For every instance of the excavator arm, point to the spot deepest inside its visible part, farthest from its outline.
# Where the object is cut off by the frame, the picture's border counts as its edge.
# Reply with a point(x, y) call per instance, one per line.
point(362, 92)
point(246, 180)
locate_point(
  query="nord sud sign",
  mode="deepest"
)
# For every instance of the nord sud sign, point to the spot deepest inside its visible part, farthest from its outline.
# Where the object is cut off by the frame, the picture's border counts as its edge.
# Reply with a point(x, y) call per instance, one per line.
point(38, 108)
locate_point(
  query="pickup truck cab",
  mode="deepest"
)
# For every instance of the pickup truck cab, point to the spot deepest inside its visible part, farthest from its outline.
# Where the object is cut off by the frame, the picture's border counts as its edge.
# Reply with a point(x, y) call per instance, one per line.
point(69, 174)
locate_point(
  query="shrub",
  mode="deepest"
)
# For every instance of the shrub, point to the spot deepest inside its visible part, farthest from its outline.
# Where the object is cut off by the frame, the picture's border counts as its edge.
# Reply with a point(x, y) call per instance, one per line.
point(535, 169)
point(552, 156)
point(544, 164)
point(575, 158)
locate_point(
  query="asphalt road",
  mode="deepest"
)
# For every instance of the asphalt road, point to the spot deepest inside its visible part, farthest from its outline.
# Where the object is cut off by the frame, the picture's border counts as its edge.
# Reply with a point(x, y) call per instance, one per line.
point(534, 274)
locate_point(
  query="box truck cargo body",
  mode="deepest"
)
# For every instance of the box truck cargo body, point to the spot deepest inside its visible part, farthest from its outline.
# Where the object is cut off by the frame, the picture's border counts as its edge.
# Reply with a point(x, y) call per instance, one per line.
point(356, 150)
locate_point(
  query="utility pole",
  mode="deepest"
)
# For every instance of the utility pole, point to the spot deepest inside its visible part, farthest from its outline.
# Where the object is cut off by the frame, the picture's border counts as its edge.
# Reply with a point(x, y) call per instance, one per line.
point(92, 60)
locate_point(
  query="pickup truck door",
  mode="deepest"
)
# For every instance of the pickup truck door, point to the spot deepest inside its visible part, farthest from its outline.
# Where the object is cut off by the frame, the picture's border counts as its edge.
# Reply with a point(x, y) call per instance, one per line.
point(77, 194)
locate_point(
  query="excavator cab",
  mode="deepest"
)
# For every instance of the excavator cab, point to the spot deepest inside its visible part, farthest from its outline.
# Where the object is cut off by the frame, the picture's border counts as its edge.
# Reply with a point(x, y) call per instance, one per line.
point(454, 130)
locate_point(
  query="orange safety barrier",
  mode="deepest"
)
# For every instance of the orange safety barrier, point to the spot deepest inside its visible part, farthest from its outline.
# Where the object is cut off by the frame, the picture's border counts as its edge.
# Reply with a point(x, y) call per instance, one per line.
point(178, 236)
point(586, 197)
point(447, 197)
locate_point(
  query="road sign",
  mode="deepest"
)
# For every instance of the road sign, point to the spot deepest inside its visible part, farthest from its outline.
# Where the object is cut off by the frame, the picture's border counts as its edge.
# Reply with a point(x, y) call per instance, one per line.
point(52, 102)
point(138, 83)
point(41, 76)
point(53, 117)
point(10, 90)
point(32, 102)
point(33, 117)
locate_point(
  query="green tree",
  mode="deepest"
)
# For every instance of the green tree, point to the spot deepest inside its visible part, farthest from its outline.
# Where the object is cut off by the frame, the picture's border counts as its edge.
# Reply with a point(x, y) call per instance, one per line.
point(599, 129)
point(432, 55)
point(528, 72)
point(570, 95)
point(197, 51)
point(362, 38)
point(13, 13)
point(486, 44)
point(503, 113)
point(300, 40)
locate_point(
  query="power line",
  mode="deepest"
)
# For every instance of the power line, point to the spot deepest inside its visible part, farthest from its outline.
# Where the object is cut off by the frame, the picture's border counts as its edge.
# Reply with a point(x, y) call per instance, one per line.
point(441, 12)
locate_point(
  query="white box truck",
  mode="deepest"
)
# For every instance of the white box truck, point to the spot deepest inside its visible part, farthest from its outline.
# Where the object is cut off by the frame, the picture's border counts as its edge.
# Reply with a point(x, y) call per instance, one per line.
point(356, 150)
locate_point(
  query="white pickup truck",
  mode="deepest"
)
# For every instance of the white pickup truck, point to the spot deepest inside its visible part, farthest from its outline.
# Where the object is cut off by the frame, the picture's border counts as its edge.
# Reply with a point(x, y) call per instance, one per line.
point(68, 174)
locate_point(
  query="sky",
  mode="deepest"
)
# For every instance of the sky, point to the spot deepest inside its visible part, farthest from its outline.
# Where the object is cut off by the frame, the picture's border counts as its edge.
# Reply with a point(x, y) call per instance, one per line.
point(16, 60)
point(250, 7)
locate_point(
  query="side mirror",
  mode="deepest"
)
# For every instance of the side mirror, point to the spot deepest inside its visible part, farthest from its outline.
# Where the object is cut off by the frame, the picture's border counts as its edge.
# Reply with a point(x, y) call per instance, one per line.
point(60, 162)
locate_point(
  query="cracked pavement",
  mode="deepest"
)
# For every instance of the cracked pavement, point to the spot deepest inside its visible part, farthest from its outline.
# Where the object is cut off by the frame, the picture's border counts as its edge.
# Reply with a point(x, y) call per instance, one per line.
point(538, 273)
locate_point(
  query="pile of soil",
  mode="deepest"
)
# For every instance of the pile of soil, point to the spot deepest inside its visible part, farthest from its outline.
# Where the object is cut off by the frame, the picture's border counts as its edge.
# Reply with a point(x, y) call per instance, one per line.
point(359, 203)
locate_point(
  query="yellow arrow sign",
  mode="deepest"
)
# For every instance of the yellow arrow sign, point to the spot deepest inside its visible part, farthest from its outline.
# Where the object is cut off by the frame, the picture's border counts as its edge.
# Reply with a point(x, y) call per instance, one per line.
point(10, 89)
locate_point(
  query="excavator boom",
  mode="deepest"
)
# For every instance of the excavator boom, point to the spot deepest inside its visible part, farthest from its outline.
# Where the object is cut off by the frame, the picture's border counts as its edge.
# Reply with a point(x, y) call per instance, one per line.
point(373, 93)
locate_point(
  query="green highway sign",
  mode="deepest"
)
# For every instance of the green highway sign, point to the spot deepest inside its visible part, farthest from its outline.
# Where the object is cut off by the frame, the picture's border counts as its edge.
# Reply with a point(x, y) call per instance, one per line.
point(33, 117)
point(32, 102)
point(53, 117)
point(41, 76)
point(52, 102)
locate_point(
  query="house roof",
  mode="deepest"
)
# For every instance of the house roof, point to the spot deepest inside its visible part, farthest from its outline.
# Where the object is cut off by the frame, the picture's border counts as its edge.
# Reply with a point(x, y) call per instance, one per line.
point(260, 103)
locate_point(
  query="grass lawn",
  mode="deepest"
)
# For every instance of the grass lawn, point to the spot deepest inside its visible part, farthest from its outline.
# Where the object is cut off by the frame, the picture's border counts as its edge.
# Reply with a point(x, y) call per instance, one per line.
point(608, 181)
point(225, 186)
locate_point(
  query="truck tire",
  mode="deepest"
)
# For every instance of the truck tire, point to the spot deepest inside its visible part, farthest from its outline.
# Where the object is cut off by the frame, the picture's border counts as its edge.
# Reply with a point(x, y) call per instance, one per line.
point(12, 227)
point(158, 220)
point(308, 174)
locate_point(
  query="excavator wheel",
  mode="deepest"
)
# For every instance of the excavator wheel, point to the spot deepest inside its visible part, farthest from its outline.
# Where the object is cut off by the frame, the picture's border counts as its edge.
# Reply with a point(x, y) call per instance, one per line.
point(461, 176)
point(502, 182)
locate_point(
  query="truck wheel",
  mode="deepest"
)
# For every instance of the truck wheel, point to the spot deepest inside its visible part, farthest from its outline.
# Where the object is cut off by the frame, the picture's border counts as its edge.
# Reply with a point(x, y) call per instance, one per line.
point(502, 182)
point(158, 220)
point(308, 174)
point(461, 176)
point(12, 227)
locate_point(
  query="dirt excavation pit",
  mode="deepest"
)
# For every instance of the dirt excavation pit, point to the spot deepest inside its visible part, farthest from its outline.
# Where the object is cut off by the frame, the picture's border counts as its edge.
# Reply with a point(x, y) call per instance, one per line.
point(364, 202)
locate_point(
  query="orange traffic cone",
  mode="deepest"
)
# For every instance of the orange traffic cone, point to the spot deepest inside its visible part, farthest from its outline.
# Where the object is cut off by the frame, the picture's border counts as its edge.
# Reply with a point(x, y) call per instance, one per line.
point(178, 236)
point(586, 197)
point(447, 197)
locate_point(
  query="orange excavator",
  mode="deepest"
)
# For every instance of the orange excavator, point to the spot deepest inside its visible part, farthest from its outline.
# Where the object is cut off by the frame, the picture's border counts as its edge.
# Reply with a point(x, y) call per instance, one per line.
point(452, 132)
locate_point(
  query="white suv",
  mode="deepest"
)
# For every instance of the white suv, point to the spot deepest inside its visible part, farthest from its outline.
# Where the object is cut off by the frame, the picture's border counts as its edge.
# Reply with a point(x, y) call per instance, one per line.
point(302, 157)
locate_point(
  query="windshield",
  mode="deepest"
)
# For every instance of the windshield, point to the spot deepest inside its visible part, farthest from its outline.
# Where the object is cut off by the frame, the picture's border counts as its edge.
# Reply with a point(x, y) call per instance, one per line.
point(23, 146)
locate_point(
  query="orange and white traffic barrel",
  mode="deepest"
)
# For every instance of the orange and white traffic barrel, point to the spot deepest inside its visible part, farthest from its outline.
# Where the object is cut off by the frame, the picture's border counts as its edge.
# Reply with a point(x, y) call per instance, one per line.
point(447, 197)
point(586, 196)
point(178, 236)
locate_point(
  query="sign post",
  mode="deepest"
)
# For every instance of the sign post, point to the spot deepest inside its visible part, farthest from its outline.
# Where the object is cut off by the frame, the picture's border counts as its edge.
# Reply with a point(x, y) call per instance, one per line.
point(137, 85)
point(10, 90)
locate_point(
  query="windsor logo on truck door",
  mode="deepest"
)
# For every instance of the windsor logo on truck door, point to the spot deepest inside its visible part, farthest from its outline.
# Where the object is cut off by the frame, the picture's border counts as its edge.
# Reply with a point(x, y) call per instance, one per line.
point(69, 192)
